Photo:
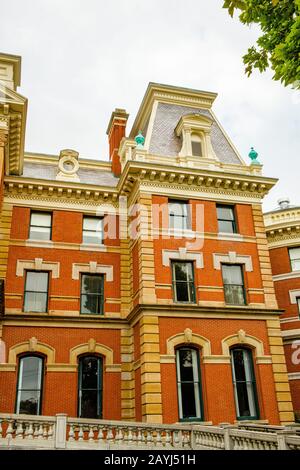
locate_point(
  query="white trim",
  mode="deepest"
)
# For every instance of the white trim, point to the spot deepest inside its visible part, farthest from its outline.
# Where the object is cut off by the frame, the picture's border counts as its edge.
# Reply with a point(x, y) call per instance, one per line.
point(234, 258)
point(294, 294)
point(294, 376)
point(92, 247)
point(234, 237)
point(38, 264)
point(183, 255)
point(291, 333)
point(93, 268)
point(286, 276)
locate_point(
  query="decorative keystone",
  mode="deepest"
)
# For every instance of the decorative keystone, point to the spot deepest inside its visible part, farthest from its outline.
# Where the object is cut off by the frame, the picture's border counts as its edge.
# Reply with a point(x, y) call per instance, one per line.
point(253, 155)
point(140, 140)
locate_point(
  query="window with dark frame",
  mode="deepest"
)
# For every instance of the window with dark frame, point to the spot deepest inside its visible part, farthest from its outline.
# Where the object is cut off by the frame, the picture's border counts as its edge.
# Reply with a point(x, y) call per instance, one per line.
point(92, 294)
point(90, 387)
point(178, 215)
point(36, 291)
point(188, 384)
point(295, 258)
point(226, 219)
point(92, 231)
point(40, 226)
point(244, 384)
point(233, 281)
point(29, 388)
point(183, 281)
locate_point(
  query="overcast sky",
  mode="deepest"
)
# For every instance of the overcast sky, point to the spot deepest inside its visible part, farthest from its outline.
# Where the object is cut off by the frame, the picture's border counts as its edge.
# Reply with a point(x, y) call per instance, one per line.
point(83, 58)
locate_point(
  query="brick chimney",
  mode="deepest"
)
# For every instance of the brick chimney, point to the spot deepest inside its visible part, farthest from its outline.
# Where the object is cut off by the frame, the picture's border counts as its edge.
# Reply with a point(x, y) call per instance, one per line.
point(116, 132)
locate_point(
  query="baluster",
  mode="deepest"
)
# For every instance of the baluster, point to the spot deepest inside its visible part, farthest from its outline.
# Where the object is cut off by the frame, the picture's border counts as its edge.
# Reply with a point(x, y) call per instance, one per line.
point(139, 437)
point(71, 433)
point(124, 436)
point(158, 438)
point(149, 437)
point(45, 431)
point(10, 429)
point(100, 435)
point(118, 436)
point(36, 430)
point(19, 430)
point(168, 439)
point(40, 431)
point(185, 439)
point(50, 432)
point(91, 433)
point(130, 436)
point(30, 431)
point(80, 433)
point(109, 436)
point(134, 436)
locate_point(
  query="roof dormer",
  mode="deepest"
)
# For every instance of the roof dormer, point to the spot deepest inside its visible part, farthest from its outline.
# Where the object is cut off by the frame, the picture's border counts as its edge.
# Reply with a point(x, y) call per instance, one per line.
point(195, 133)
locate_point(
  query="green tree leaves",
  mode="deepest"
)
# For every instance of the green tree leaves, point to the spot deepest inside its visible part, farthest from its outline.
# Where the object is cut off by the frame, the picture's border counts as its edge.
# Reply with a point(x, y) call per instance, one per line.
point(279, 45)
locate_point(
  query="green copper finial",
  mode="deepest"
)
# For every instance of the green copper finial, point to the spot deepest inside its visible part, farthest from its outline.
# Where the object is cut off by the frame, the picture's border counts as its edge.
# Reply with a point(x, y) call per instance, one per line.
point(140, 140)
point(253, 155)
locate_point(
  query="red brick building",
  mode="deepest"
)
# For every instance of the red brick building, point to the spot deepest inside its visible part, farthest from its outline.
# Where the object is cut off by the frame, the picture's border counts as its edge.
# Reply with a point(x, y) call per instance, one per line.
point(283, 232)
point(138, 288)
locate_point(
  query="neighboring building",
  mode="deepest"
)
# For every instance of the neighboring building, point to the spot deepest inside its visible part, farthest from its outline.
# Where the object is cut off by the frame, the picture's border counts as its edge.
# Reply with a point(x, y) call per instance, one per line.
point(283, 232)
point(166, 314)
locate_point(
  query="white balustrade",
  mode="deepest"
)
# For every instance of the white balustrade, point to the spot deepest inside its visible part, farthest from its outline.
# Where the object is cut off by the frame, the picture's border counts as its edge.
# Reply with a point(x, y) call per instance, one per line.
point(34, 432)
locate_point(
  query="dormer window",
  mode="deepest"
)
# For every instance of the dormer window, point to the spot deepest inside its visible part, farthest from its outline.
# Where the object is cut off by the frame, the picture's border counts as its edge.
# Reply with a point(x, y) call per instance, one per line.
point(194, 131)
point(196, 145)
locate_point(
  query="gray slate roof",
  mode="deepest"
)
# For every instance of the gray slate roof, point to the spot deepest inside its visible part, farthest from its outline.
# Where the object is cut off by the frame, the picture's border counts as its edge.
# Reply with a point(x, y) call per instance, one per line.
point(48, 172)
point(165, 142)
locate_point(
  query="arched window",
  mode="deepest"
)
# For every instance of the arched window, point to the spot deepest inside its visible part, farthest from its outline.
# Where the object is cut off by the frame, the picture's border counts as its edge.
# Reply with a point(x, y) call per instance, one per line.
point(30, 381)
point(196, 145)
point(90, 387)
point(189, 384)
point(244, 384)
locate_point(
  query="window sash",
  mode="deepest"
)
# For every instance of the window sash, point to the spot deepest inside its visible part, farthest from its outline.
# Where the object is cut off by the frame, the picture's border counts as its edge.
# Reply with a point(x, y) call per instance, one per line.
point(40, 229)
point(196, 148)
point(188, 385)
point(244, 389)
point(92, 231)
point(294, 254)
point(95, 299)
point(234, 292)
point(95, 392)
point(298, 304)
point(35, 393)
point(178, 215)
point(36, 300)
point(189, 285)
point(226, 224)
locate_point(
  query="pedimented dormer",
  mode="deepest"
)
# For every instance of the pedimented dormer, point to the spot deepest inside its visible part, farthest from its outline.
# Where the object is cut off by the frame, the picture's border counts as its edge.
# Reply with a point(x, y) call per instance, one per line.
point(194, 130)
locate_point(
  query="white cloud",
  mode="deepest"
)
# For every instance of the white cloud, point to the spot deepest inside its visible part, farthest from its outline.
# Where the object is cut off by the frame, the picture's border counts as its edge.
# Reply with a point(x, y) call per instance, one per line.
point(81, 59)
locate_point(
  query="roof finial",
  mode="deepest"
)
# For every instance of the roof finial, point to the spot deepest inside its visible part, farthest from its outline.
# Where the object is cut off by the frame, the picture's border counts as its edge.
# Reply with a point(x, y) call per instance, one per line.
point(140, 140)
point(253, 155)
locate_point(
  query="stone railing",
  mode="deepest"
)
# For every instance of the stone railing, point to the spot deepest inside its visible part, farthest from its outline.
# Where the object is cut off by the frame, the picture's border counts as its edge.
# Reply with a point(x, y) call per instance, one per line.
point(62, 432)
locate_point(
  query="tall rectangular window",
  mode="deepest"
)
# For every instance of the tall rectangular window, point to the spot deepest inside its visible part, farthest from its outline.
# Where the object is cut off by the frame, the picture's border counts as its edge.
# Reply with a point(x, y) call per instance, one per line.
point(178, 215)
point(36, 291)
point(92, 230)
point(226, 219)
point(92, 294)
point(183, 281)
point(233, 279)
point(40, 226)
point(90, 387)
point(244, 384)
point(188, 384)
point(295, 258)
point(29, 385)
